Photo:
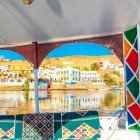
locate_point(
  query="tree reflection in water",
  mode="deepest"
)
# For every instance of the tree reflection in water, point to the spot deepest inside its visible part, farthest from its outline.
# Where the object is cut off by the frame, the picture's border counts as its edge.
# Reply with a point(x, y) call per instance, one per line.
point(108, 100)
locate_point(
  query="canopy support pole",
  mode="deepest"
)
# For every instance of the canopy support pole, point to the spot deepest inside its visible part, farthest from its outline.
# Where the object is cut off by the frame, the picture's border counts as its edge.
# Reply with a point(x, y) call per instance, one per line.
point(36, 90)
point(36, 65)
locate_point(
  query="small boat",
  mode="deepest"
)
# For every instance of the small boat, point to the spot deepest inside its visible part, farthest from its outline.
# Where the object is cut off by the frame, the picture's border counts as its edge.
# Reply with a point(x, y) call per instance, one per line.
point(42, 94)
point(43, 86)
point(70, 82)
point(70, 96)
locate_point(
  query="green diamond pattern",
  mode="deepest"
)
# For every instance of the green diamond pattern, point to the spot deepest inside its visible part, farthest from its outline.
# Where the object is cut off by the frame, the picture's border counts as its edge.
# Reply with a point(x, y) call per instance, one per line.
point(135, 127)
point(134, 87)
point(131, 35)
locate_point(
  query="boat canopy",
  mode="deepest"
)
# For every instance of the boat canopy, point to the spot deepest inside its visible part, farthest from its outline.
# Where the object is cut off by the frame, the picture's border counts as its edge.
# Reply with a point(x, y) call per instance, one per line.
point(45, 21)
point(33, 28)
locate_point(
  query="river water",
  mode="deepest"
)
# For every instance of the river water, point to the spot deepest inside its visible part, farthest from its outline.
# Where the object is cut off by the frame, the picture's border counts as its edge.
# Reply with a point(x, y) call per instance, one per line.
point(21, 102)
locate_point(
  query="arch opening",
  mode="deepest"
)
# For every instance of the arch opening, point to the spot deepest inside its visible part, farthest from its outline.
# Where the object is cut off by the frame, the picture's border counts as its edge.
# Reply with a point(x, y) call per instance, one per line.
point(15, 76)
point(72, 76)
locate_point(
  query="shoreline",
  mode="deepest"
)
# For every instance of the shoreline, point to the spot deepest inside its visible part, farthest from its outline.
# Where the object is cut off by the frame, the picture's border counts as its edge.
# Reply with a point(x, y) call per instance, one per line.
point(19, 88)
point(11, 88)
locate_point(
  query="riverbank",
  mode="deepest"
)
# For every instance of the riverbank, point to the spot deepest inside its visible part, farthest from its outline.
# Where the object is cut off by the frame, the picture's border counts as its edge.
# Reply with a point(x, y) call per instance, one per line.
point(62, 86)
point(18, 88)
point(11, 88)
point(78, 86)
point(54, 87)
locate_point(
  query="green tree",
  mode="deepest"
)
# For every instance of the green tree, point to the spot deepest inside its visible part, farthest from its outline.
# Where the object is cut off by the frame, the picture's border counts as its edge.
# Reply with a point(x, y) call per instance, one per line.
point(85, 68)
point(26, 87)
point(109, 80)
point(22, 72)
point(26, 95)
point(108, 99)
point(94, 66)
point(1, 73)
point(116, 73)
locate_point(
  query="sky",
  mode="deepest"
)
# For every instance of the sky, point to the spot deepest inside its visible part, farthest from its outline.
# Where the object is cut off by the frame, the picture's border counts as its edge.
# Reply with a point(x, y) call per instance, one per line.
point(74, 49)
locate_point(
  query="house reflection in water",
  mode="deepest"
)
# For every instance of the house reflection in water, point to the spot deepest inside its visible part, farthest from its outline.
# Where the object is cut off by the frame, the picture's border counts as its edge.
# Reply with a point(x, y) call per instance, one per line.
point(81, 102)
point(62, 100)
point(75, 101)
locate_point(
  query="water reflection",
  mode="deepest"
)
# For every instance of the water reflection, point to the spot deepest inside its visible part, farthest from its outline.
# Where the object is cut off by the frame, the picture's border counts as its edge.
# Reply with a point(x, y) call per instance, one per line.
point(19, 102)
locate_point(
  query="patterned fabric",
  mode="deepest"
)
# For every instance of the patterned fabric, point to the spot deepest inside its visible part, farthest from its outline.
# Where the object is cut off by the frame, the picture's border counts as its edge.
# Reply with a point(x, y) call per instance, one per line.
point(51, 126)
point(82, 132)
point(10, 126)
point(131, 63)
point(80, 125)
point(69, 125)
point(8, 134)
point(38, 126)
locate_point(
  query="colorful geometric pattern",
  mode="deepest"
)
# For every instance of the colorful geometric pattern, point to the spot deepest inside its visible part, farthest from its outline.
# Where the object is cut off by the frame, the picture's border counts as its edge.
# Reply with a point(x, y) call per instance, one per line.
point(131, 64)
point(82, 113)
point(84, 131)
point(50, 126)
point(38, 126)
point(7, 134)
point(80, 125)
point(10, 126)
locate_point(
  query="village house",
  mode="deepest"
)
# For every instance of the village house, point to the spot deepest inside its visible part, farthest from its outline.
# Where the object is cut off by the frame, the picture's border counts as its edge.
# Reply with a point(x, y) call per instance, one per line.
point(91, 76)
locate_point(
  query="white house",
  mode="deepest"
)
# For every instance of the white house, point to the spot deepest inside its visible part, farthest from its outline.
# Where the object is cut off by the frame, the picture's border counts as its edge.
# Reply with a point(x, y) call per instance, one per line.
point(4, 67)
point(12, 81)
point(65, 63)
point(106, 64)
point(46, 72)
point(89, 76)
point(67, 75)
point(13, 74)
point(120, 69)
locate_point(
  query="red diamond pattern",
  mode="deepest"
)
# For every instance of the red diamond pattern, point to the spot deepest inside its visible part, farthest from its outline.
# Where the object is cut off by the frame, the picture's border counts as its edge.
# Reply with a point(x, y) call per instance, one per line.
point(135, 111)
point(132, 60)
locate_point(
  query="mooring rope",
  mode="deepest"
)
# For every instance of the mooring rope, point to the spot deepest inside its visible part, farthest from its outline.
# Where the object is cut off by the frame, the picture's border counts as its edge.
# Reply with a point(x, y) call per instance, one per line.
point(118, 120)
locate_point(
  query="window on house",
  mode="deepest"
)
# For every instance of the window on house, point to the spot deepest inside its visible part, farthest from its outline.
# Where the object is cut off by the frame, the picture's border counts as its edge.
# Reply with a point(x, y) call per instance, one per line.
point(19, 80)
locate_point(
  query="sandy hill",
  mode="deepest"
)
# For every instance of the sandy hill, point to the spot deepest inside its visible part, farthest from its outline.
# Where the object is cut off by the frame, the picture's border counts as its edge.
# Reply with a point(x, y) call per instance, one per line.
point(79, 60)
point(75, 61)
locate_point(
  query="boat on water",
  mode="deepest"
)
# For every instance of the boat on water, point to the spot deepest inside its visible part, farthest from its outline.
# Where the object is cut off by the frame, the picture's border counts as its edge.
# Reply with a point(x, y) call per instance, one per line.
point(70, 82)
point(43, 86)
point(42, 94)
point(34, 28)
point(70, 96)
